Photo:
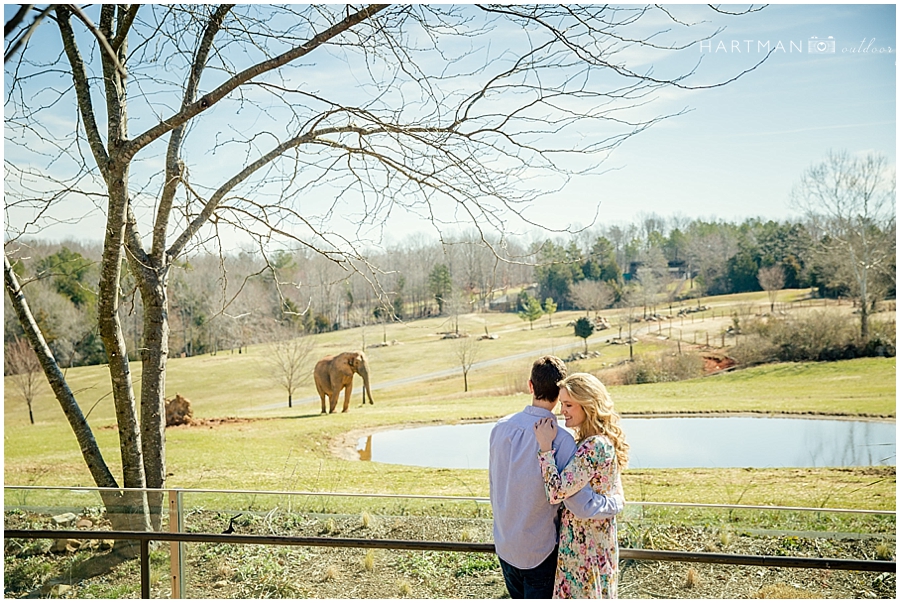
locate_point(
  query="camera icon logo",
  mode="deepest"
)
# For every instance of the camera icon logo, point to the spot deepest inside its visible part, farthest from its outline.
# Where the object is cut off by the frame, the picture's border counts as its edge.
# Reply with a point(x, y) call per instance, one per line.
point(817, 46)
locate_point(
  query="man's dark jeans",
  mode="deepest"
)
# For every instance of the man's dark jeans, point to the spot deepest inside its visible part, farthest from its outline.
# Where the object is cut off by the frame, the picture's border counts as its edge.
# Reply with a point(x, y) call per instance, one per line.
point(534, 583)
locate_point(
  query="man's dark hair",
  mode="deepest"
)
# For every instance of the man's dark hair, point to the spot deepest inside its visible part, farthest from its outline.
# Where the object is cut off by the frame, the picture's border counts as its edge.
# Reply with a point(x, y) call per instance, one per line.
point(546, 372)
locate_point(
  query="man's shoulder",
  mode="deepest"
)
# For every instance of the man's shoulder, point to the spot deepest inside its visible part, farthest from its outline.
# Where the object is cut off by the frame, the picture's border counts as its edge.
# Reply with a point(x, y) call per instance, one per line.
point(565, 434)
point(508, 419)
point(505, 424)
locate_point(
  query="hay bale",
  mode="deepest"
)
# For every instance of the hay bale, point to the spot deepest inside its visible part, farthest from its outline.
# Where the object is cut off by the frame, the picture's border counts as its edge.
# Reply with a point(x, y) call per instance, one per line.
point(178, 411)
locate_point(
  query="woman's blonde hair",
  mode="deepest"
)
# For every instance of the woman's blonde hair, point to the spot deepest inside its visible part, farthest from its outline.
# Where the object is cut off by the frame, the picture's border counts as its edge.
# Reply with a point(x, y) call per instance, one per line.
point(600, 417)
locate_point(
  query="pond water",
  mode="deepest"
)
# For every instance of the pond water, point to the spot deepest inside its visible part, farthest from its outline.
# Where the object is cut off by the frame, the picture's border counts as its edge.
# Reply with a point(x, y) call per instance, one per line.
point(668, 442)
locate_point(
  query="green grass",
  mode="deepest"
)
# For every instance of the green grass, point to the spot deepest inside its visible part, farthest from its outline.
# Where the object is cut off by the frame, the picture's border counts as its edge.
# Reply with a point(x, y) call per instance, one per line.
point(855, 387)
point(290, 449)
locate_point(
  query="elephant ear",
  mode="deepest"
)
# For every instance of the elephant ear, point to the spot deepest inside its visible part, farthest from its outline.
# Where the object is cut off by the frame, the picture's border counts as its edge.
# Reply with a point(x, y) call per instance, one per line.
point(353, 360)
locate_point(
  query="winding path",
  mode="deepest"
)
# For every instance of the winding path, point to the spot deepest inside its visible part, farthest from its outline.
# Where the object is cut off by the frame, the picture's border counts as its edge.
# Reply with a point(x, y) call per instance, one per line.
point(554, 349)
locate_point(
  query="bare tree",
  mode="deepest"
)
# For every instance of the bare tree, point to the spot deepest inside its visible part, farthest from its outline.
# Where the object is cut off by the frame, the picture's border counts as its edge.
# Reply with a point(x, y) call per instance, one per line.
point(654, 277)
point(708, 251)
point(467, 351)
point(850, 203)
point(630, 298)
point(591, 295)
point(418, 112)
point(771, 279)
point(289, 365)
point(23, 369)
point(456, 302)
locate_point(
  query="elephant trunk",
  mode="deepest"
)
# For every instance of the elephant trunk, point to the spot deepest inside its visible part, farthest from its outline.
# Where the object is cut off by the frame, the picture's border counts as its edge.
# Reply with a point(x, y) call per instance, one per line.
point(366, 389)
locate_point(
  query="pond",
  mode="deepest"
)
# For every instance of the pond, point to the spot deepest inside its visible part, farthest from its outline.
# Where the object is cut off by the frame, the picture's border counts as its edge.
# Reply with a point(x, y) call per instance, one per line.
point(668, 442)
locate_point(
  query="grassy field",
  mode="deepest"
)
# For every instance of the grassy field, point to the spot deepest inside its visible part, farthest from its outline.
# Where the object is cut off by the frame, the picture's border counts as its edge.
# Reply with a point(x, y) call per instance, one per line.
point(269, 446)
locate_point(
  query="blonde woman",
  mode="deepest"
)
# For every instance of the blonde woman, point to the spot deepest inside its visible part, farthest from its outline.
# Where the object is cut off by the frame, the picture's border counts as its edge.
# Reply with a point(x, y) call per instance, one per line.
point(588, 563)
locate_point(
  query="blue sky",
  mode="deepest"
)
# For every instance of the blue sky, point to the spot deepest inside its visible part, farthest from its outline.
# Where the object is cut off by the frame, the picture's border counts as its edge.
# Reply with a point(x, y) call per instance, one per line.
point(740, 148)
point(743, 146)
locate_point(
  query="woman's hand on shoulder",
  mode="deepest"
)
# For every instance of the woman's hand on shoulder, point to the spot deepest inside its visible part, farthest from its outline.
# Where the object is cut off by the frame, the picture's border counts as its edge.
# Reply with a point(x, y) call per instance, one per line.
point(545, 432)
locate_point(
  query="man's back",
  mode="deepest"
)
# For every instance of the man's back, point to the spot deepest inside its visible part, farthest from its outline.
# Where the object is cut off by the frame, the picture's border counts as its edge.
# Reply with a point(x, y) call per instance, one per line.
point(525, 523)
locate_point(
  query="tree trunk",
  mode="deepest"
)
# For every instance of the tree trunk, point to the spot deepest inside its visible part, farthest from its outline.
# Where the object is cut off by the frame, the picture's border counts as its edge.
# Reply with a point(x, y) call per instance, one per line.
point(120, 506)
point(114, 343)
point(154, 357)
point(864, 321)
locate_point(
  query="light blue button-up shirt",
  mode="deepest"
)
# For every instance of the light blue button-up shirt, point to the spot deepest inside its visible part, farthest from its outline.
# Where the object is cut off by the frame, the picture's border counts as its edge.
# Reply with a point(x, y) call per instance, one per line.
point(526, 526)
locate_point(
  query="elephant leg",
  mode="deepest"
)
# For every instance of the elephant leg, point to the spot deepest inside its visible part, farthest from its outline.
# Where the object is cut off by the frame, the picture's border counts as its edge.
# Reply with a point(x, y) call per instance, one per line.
point(347, 393)
point(332, 401)
point(323, 402)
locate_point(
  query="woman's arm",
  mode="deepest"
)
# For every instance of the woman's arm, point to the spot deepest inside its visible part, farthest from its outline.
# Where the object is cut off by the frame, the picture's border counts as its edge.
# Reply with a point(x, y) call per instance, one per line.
point(585, 503)
point(560, 485)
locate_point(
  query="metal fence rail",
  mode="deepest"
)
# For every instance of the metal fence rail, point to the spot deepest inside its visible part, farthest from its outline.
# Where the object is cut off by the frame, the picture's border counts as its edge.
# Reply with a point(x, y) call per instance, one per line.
point(482, 499)
point(420, 545)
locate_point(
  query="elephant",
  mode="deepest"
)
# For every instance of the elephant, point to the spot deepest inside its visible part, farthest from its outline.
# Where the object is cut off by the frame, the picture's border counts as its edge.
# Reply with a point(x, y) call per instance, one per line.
point(335, 373)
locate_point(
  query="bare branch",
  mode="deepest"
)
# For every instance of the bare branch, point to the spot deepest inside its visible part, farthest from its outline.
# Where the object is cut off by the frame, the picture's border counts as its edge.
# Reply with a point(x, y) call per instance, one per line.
point(82, 90)
point(751, 9)
point(23, 39)
point(174, 164)
point(245, 76)
point(16, 19)
point(111, 54)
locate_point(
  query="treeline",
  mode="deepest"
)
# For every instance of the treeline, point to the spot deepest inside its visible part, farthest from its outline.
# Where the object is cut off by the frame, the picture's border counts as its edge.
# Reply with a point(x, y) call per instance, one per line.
point(225, 303)
point(714, 257)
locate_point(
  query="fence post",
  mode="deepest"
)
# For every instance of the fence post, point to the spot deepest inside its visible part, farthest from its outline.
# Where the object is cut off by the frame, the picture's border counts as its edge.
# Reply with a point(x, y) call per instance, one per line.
point(145, 568)
point(176, 560)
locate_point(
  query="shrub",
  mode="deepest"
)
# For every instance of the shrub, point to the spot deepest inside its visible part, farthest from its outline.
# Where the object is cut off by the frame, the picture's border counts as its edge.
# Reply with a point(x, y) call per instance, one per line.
point(814, 336)
point(662, 368)
point(882, 338)
point(754, 349)
point(614, 375)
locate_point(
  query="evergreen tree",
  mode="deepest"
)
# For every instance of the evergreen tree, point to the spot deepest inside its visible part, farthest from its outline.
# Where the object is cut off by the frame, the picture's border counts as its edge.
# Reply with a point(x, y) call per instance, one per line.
point(549, 309)
point(440, 284)
point(531, 310)
point(584, 328)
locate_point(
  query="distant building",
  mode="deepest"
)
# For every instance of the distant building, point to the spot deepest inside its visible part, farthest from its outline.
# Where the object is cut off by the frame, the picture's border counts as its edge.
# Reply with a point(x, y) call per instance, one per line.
point(678, 269)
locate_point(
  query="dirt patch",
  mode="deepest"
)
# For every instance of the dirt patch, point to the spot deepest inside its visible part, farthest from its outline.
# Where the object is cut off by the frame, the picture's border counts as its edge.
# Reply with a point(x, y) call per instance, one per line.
point(179, 411)
point(216, 422)
point(207, 423)
point(713, 362)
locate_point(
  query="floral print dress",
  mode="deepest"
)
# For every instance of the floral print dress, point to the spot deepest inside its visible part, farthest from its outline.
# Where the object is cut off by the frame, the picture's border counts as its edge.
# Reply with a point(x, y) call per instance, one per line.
point(588, 563)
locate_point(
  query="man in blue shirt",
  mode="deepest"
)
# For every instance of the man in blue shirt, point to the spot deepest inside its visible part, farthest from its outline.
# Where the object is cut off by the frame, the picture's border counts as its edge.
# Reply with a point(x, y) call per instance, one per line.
point(526, 525)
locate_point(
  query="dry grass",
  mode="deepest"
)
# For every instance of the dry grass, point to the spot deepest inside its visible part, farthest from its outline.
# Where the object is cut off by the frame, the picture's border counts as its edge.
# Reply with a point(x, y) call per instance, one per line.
point(883, 550)
point(692, 580)
point(369, 561)
point(332, 573)
point(784, 591)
